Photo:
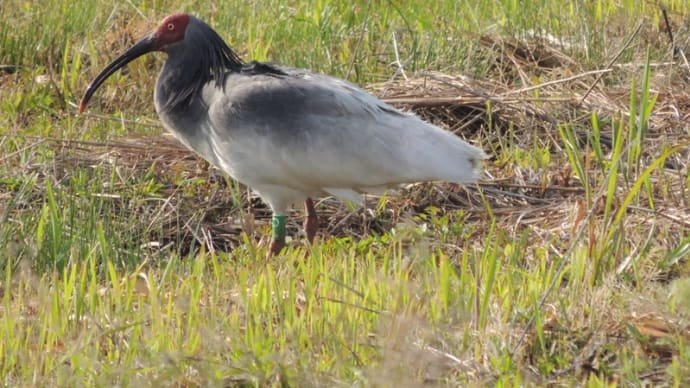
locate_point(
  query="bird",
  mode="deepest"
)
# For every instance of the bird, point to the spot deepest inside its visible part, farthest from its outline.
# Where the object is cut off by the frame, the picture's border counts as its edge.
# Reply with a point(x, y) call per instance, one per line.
point(289, 134)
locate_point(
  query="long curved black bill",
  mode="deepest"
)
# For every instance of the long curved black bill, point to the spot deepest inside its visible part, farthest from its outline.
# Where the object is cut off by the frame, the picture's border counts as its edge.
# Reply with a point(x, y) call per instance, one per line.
point(142, 47)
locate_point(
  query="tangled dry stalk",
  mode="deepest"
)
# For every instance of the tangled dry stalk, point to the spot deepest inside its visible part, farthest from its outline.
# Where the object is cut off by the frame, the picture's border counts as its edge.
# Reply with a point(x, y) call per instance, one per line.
point(482, 111)
point(193, 205)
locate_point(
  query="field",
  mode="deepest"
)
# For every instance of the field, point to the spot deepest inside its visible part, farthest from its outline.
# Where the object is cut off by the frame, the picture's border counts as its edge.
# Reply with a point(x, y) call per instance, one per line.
point(126, 260)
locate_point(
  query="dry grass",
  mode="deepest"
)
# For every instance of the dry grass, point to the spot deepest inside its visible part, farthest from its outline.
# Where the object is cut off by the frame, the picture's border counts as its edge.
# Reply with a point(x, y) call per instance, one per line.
point(541, 199)
point(482, 111)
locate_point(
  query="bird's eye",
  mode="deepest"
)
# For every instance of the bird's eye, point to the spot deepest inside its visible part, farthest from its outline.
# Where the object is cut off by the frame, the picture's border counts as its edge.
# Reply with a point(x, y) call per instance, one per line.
point(171, 26)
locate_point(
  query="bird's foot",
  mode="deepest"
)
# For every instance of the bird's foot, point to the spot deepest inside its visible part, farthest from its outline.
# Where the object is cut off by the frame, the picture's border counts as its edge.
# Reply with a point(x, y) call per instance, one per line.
point(276, 247)
point(311, 221)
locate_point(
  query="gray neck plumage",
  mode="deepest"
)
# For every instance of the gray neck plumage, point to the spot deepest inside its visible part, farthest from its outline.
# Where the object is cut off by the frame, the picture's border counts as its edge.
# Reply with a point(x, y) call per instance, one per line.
point(201, 57)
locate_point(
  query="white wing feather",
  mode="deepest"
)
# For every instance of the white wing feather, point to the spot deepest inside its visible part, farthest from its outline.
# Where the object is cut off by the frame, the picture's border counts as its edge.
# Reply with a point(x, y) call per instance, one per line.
point(331, 138)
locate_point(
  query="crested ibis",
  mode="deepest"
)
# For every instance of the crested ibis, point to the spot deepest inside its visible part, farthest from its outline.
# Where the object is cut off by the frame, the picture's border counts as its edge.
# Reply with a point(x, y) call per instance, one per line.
point(288, 134)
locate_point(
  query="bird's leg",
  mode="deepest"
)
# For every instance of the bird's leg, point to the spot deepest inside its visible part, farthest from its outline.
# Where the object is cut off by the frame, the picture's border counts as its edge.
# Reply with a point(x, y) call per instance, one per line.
point(278, 227)
point(311, 222)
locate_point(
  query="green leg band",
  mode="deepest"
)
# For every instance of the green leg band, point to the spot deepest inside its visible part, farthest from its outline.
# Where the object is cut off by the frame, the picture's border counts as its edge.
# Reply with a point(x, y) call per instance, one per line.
point(278, 225)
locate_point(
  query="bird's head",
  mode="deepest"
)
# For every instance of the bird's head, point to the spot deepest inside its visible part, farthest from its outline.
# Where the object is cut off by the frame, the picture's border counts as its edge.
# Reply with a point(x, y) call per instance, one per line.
point(171, 30)
point(212, 53)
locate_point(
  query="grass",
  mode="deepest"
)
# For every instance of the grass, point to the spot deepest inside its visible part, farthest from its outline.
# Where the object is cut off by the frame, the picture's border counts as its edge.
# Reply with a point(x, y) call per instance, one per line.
point(126, 260)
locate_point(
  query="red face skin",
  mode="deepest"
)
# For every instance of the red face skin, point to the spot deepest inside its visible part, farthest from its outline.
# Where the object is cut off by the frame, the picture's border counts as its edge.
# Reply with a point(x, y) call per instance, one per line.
point(171, 30)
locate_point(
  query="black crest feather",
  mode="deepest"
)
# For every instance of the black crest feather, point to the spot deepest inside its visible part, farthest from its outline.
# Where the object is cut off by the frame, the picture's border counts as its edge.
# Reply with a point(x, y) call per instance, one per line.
point(205, 57)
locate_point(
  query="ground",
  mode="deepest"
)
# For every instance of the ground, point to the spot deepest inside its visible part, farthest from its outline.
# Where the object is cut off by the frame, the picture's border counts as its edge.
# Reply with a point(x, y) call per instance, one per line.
point(128, 260)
